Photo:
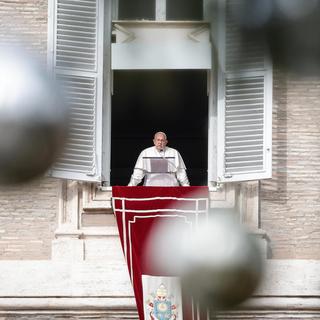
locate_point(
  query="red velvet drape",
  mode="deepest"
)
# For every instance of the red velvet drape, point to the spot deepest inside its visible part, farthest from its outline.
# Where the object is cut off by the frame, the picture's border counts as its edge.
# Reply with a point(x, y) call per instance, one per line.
point(133, 203)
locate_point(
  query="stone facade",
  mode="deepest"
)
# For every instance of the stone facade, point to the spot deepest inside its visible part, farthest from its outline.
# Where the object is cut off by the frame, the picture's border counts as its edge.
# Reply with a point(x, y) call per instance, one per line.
point(290, 202)
point(85, 290)
point(28, 213)
point(28, 219)
point(25, 21)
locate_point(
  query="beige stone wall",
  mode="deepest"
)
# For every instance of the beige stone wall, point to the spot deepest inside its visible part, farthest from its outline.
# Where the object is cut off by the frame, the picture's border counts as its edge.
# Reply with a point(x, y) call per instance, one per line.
point(28, 219)
point(85, 290)
point(24, 21)
point(27, 212)
point(290, 202)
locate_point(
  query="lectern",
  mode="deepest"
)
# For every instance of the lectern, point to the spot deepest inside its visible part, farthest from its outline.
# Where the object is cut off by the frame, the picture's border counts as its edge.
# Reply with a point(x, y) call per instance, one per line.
point(160, 171)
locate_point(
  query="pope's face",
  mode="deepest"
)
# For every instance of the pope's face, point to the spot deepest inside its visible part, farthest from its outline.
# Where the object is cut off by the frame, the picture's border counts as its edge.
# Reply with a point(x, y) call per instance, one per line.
point(160, 142)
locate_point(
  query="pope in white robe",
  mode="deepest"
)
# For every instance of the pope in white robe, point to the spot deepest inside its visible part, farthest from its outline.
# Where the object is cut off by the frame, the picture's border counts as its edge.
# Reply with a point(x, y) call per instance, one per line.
point(160, 165)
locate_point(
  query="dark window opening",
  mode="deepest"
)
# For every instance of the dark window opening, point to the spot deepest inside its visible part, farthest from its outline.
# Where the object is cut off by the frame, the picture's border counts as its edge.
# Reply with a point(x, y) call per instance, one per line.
point(136, 10)
point(144, 102)
point(184, 10)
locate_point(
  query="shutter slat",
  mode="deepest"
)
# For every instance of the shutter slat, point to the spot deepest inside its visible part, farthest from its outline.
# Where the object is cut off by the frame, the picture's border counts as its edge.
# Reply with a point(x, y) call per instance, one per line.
point(243, 152)
point(89, 41)
point(79, 89)
point(79, 161)
point(82, 116)
point(246, 116)
point(82, 121)
point(83, 137)
point(240, 128)
point(71, 23)
point(71, 53)
point(75, 43)
point(81, 101)
point(252, 146)
point(73, 48)
point(242, 141)
point(79, 111)
point(243, 163)
point(69, 167)
point(71, 27)
point(87, 62)
point(243, 160)
point(78, 2)
point(246, 133)
point(242, 170)
point(82, 96)
point(234, 111)
point(71, 145)
point(244, 122)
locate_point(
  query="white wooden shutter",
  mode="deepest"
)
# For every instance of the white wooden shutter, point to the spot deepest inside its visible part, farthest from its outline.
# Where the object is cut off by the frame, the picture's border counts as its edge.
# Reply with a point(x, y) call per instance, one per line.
point(75, 51)
point(244, 103)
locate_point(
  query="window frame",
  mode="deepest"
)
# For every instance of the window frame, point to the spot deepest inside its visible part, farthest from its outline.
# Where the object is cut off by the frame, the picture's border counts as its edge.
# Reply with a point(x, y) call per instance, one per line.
point(216, 98)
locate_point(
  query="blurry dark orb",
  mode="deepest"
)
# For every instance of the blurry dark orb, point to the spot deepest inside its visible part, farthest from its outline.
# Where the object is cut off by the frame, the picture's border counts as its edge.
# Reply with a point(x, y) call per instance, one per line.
point(224, 263)
point(288, 27)
point(33, 118)
point(219, 263)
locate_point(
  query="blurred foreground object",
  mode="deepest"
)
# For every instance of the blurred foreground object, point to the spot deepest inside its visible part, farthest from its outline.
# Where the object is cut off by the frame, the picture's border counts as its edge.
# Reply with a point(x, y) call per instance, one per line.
point(33, 118)
point(219, 263)
point(289, 28)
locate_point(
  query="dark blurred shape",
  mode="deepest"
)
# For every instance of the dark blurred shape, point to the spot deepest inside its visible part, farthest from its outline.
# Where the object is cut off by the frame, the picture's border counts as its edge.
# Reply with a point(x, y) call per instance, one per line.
point(184, 10)
point(219, 263)
point(136, 10)
point(33, 118)
point(289, 27)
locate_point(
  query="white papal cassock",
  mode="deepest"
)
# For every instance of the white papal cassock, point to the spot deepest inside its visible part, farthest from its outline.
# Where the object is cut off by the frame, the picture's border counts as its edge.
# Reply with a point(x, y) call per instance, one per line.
point(159, 168)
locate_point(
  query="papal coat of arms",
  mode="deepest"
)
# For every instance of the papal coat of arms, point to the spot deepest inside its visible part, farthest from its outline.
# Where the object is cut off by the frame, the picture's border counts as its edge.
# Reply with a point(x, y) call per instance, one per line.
point(160, 305)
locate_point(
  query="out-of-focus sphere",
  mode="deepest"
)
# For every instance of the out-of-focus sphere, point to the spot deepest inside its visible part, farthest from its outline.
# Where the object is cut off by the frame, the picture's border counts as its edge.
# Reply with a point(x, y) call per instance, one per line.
point(224, 263)
point(219, 263)
point(33, 118)
point(286, 27)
